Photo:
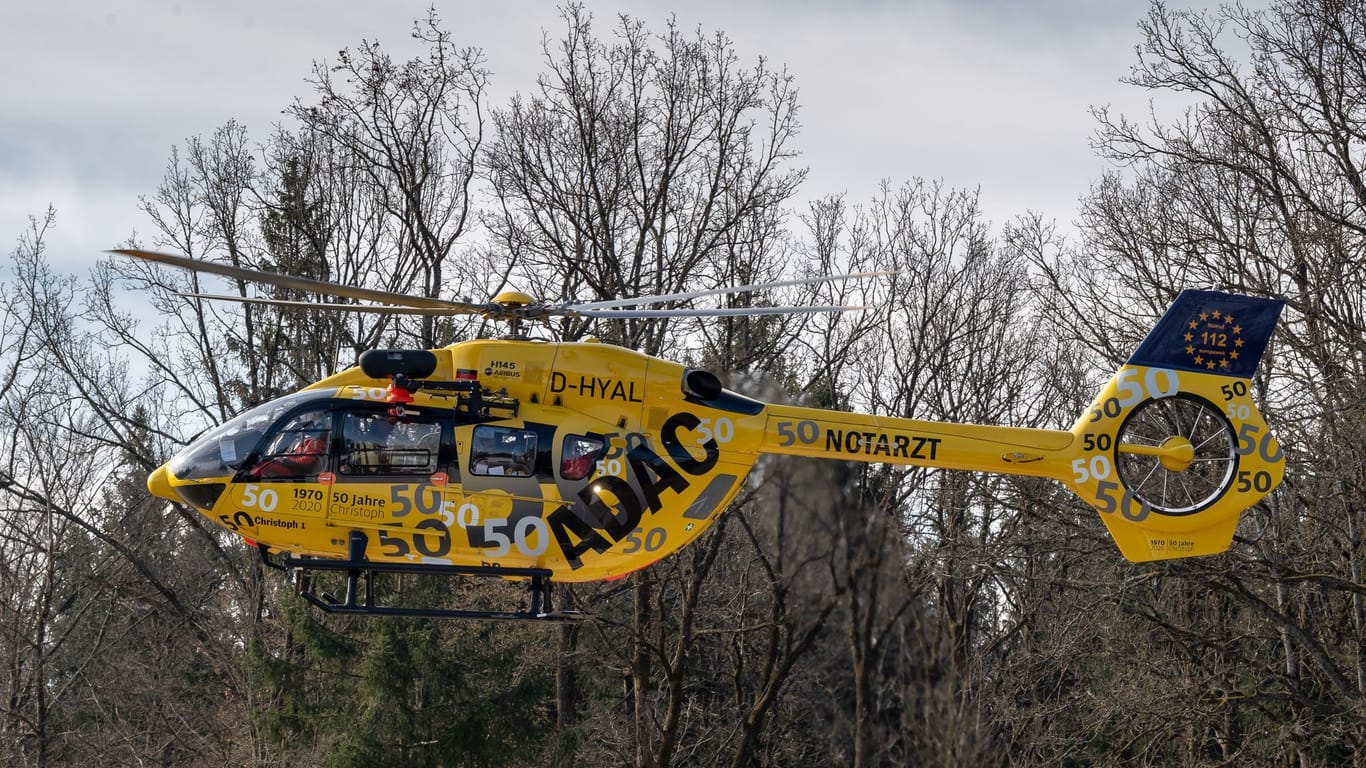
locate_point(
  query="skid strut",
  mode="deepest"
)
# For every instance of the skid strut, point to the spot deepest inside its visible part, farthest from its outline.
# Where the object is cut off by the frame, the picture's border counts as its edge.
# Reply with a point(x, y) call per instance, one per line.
point(357, 568)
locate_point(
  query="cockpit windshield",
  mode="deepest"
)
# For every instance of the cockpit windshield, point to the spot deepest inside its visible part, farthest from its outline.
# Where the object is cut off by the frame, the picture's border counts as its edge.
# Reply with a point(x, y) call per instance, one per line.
point(223, 449)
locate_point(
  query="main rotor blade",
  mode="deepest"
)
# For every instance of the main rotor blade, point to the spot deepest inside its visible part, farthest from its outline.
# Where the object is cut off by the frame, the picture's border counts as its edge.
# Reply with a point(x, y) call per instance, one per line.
point(307, 284)
point(726, 312)
point(723, 291)
point(324, 305)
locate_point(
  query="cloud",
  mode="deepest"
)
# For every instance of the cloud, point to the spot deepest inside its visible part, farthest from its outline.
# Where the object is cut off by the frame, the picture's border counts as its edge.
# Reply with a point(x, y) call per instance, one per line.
point(993, 95)
point(89, 218)
point(983, 93)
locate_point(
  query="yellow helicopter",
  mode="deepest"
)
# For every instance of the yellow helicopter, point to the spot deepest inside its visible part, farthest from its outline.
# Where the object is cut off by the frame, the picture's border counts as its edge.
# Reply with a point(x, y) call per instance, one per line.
point(572, 462)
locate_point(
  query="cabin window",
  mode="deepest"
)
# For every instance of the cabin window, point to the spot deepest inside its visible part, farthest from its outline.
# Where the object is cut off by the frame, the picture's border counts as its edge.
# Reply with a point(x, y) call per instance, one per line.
point(297, 450)
point(578, 455)
point(503, 451)
point(374, 443)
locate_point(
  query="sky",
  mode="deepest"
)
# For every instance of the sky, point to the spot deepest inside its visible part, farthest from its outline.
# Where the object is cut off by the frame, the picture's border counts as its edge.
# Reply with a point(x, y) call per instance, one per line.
point(993, 95)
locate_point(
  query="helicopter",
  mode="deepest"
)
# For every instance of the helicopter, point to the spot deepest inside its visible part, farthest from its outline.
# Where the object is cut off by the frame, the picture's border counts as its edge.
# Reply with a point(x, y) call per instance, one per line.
point(552, 462)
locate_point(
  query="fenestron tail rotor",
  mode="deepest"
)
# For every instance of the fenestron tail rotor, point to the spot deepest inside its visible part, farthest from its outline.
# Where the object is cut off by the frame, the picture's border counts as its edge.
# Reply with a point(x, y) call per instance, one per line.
point(509, 306)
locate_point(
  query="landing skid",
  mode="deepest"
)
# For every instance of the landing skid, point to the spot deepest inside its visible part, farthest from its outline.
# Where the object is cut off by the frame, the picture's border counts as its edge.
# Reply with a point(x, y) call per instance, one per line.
point(360, 599)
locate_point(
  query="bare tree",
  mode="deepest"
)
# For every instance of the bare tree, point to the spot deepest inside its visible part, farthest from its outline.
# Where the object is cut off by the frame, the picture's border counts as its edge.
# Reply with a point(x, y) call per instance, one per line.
point(112, 596)
point(638, 163)
point(1256, 188)
point(643, 165)
point(413, 131)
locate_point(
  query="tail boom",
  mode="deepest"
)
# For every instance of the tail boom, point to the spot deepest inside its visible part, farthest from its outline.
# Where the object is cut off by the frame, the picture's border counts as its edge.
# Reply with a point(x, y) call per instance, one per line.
point(1170, 452)
point(825, 434)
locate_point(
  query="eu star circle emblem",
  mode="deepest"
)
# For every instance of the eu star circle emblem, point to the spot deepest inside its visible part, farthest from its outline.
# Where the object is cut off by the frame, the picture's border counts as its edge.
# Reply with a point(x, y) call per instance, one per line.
point(1213, 340)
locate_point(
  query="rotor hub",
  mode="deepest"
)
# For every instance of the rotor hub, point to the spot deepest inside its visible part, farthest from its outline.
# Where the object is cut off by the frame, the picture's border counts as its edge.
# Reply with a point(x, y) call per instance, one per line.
point(1177, 453)
point(513, 299)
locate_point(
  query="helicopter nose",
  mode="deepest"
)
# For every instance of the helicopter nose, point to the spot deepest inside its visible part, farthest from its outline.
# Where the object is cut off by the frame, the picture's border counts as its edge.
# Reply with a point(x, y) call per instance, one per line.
point(159, 483)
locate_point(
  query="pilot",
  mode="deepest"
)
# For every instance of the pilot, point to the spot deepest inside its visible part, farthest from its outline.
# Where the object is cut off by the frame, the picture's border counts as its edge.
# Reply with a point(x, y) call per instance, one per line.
point(303, 458)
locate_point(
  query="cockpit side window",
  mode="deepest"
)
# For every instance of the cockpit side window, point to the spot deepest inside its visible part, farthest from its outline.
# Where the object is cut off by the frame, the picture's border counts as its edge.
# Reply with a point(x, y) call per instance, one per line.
point(223, 450)
point(297, 450)
point(375, 443)
point(505, 451)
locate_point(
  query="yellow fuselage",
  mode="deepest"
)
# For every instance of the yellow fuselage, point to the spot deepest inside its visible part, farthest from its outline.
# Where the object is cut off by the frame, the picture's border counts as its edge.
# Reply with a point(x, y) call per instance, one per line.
point(591, 461)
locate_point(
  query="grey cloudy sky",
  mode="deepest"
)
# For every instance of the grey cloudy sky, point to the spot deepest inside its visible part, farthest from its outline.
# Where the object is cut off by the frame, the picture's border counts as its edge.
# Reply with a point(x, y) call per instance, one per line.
point(988, 94)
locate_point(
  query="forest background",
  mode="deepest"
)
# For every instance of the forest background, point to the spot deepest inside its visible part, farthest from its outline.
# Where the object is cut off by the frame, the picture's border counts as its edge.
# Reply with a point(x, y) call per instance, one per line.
point(838, 614)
